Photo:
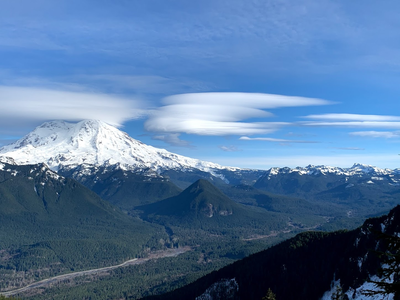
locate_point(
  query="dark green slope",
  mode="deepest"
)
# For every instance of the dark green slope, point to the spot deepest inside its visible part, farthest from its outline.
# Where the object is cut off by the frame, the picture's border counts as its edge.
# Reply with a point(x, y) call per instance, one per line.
point(364, 198)
point(50, 221)
point(233, 177)
point(305, 213)
point(357, 194)
point(185, 179)
point(203, 206)
point(296, 184)
point(201, 199)
point(126, 189)
point(249, 195)
point(303, 267)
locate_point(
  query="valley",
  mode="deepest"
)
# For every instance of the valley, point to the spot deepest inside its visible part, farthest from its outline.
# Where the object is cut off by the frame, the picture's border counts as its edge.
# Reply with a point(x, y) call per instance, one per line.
point(45, 283)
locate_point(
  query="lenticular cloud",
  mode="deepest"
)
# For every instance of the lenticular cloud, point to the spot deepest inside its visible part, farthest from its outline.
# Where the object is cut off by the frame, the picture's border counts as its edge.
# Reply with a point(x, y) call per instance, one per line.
point(20, 104)
point(221, 113)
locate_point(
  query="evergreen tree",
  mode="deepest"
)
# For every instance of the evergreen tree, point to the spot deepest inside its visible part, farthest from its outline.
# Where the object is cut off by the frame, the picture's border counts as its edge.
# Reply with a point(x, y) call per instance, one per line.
point(339, 294)
point(270, 295)
point(390, 270)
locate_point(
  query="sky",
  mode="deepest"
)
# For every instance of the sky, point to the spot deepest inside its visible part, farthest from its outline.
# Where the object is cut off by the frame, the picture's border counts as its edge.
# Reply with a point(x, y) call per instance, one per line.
point(251, 84)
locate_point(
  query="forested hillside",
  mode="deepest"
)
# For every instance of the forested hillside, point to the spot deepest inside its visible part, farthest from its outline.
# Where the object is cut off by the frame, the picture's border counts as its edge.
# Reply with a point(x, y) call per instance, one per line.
point(51, 225)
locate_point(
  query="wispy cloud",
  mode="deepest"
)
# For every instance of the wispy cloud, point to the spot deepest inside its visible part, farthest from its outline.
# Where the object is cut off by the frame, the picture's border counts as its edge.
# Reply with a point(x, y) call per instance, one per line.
point(377, 134)
point(144, 84)
point(222, 113)
point(266, 139)
point(230, 148)
point(350, 148)
point(353, 117)
point(296, 134)
point(355, 124)
point(141, 86)
point(353, 121)
point(21, 105)
point(173, 140)
point(250, 100)
point(278, 34)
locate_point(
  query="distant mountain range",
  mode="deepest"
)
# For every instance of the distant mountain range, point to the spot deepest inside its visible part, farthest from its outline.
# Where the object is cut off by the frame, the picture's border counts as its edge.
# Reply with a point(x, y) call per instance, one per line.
point(360, 190)
point(90, 143)
point(87, 145)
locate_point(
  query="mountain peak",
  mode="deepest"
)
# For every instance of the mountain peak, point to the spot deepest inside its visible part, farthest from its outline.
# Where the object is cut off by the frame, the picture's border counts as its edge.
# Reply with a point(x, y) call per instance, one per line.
point(201, 199)
point(59, 143)
point(64, 145)
point(367, 168)
point(203, 186)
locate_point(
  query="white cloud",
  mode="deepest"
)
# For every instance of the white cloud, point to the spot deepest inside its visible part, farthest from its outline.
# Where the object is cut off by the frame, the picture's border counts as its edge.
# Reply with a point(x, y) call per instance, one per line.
point(24, 105)
point(353, 121)
point(245, 138)
point(350, 148)
point(230, 148)
point(355, 124)
point(172, 139)
point(254, 100)
point(222, 113)
point(352, 117)
point(377, 134)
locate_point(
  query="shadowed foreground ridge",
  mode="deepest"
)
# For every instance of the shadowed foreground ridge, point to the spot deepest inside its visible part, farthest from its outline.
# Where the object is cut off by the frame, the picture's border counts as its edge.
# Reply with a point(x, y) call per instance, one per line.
point(305, 266)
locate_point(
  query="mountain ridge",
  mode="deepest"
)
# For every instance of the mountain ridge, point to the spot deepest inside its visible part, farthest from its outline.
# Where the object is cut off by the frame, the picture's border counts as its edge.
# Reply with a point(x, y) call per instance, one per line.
point(60, 144)
point(356, 169)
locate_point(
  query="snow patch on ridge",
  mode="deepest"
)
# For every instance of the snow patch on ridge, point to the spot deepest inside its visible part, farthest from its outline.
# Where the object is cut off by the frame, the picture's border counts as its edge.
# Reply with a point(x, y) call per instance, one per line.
point(357, 294)
point(224, 289)
point(7, 160)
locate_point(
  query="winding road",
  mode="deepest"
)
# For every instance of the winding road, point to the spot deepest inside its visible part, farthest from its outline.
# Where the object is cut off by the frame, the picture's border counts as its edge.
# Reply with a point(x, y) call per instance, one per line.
point(46, 282)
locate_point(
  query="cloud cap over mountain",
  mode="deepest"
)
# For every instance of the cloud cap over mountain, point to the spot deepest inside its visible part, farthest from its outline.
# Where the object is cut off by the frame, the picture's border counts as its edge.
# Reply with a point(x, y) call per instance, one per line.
point(26, 104)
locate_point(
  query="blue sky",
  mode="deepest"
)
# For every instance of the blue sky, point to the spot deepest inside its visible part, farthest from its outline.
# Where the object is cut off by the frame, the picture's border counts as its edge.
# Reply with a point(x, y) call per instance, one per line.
point(242, 83)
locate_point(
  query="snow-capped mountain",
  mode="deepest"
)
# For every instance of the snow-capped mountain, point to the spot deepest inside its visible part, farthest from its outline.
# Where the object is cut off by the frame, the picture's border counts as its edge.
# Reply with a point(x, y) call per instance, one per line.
point(63, 145)
point(356, 169)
